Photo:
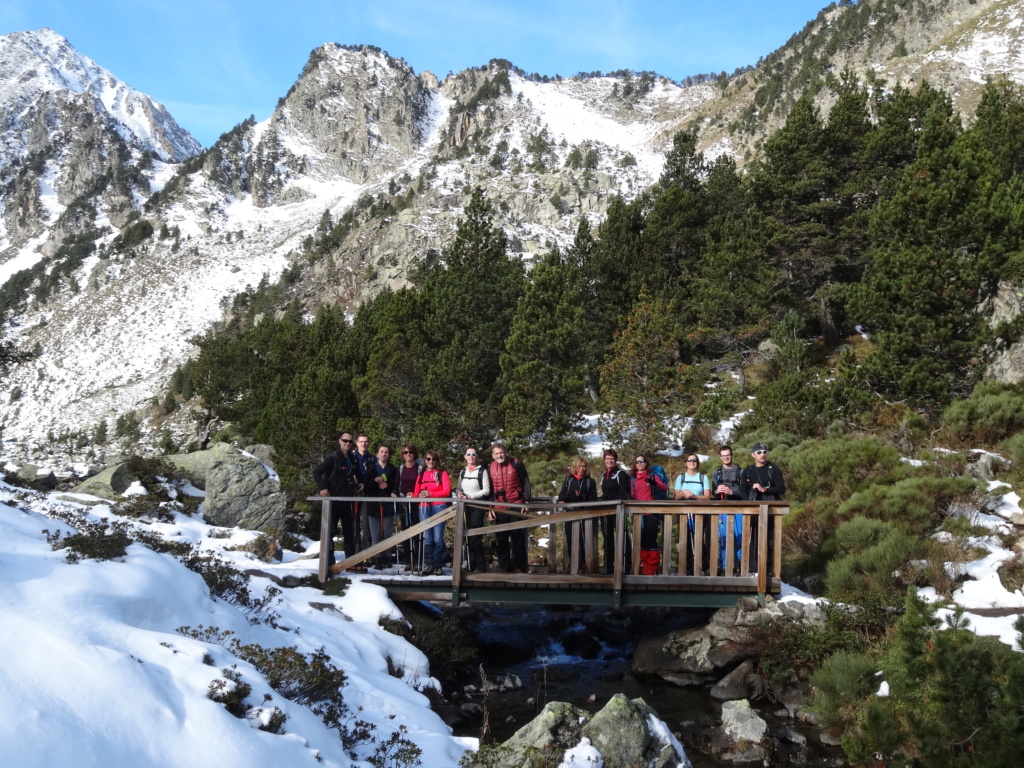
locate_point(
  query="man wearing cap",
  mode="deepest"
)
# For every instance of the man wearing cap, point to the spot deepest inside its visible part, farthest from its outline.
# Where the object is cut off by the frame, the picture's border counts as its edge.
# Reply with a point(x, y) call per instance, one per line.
point(762, 480)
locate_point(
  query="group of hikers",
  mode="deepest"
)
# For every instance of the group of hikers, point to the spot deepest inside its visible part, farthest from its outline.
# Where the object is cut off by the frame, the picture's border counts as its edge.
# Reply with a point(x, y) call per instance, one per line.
point(387, 493)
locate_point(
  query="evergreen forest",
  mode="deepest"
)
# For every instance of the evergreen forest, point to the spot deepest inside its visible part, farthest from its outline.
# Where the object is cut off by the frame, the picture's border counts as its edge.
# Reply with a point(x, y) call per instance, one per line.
point(846, 280)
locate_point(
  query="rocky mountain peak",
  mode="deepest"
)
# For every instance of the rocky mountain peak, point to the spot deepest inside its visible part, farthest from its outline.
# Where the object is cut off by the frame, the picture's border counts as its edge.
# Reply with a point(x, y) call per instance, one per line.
point(42, 67)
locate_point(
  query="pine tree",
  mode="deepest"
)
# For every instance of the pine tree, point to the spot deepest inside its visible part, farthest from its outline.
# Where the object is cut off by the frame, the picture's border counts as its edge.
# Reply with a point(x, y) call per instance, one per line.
point(542, 371)
point(643, 383)
point(939, 245)
point(469, 304)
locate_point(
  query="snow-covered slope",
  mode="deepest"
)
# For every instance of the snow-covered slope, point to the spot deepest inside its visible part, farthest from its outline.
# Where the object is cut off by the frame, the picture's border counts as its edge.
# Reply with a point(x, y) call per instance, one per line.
point(96, 672)
point(36, 64)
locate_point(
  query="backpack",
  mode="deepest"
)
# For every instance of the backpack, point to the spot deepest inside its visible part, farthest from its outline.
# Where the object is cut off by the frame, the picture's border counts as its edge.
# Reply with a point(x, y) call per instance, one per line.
point(733, 482)
point(659, 471)
point(481, 471)
point(656, 493)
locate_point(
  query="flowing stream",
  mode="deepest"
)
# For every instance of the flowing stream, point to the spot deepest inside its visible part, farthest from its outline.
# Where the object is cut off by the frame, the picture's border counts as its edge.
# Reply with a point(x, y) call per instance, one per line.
point(584, 657)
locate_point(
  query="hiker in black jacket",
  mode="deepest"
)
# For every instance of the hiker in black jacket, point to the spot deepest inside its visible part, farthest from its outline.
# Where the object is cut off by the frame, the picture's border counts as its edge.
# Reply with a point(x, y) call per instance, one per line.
point(578, 486)
point(335, 476)
point(762, 481)
point(614, 487)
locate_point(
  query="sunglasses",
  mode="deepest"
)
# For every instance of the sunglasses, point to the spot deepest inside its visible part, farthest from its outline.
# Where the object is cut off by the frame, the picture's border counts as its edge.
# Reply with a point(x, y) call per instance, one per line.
point(471, 455)
point(408, 453)
point(430, 458)
point(760, 453)
point(641, 461)
point(345, 441)
point(693, 461)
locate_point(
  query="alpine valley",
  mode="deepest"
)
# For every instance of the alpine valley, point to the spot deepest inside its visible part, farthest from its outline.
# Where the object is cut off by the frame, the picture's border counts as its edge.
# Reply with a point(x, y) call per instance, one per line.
point(122, 239)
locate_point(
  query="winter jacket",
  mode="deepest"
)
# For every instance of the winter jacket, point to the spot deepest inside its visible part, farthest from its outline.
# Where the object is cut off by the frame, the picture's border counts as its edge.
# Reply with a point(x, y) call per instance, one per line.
point(615, 484)
point(336, 474)
point(475, 483)
point(769, 476)
point(576, 489)
point(643, 485)
point(435, 482)
point(731, 476)
point(370, 485)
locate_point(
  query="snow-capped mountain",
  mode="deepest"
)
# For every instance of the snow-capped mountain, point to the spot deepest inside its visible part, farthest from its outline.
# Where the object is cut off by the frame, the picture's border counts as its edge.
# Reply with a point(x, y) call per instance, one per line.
point(38, 69)
point(119, 242)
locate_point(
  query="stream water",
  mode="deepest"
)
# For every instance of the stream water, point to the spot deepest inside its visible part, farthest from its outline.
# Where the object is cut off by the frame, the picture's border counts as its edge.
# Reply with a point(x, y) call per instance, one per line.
point(584, 657)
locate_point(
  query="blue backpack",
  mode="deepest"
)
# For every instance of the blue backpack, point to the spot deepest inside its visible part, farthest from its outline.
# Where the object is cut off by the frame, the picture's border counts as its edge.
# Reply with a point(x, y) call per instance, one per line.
point(656, 471)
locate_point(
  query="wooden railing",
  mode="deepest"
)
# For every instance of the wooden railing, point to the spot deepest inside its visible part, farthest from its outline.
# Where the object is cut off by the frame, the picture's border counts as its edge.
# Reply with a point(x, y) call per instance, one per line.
point(688, 560)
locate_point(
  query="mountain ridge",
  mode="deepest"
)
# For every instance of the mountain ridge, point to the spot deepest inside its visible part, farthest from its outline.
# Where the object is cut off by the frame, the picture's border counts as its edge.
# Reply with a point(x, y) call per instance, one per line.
point(358, 177)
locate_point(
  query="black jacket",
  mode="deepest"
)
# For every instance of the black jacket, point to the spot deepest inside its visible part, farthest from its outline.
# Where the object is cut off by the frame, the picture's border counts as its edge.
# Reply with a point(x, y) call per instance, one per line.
point(768, 476)
point(732, 478)
point(389, 472)
point(578, 489)
point(336, 473)
point(615, 485)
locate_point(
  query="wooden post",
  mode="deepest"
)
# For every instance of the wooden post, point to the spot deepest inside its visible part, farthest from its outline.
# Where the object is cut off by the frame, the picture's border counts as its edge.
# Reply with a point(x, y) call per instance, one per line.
point(745, 547)
point(684, 531)
point(762, 551)
point(777, 553)
point(460, 538)
point(698, 545)
point(590, 545)
point(620, 548)
point(713, 549)
point(634, 566)
point(666, 544)
point(326, 540)
point(730, 545)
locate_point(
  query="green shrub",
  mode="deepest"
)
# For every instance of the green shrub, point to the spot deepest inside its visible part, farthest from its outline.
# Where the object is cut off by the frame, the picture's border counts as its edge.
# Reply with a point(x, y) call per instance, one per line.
point(1013, 448)
point(840, 467)
point(867, 557)
point(232, 692)
point(954, 699)
point(100, 540)
point(918, 503)
point(232, 586)
point(788, 651)
point(807, 403)
point(992, 413)
point(842, 682)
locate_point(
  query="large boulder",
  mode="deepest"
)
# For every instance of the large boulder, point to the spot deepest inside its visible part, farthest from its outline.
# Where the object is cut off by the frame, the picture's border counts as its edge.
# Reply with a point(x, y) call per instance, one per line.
point(241, 493)
point(109, 484)
point(196, 466)
point(626, 732)
point(36, 477)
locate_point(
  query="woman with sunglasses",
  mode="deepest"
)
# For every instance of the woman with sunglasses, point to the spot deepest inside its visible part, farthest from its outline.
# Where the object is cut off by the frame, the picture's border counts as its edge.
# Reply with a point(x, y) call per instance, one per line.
point(474, 483)
point(692, 485)
point(643, 483)
point(408, 473)
point(433, 483)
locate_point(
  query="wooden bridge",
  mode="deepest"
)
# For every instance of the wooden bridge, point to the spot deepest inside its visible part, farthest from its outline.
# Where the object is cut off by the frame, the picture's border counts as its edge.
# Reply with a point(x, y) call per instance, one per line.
point(692, 574)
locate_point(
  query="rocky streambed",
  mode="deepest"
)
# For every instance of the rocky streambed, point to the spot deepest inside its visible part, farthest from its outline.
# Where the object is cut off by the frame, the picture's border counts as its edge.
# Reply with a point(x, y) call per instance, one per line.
point(690, 667)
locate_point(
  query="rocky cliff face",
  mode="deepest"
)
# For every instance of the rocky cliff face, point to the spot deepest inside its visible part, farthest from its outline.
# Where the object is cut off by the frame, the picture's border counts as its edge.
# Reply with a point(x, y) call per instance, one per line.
point(359, 175)
point(72, 135)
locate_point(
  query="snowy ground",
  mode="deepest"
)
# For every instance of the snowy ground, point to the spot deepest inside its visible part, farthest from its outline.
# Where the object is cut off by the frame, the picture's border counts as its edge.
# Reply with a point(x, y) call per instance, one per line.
point(95, 672)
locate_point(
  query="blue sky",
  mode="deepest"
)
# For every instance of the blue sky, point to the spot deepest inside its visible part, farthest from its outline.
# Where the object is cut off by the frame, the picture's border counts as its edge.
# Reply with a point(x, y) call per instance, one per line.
point(212, 63)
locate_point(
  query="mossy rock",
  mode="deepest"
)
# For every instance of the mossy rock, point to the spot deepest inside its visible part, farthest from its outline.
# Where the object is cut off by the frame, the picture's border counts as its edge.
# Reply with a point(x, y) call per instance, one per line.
point(109, 484)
